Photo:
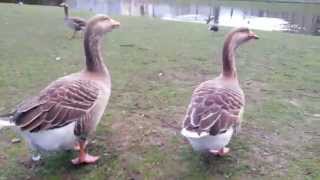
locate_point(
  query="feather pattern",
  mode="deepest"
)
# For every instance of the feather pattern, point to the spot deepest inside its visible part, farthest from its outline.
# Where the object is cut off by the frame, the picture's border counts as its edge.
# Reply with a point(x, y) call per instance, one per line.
point(58, 105)
point(70, 108)
point(214, 108)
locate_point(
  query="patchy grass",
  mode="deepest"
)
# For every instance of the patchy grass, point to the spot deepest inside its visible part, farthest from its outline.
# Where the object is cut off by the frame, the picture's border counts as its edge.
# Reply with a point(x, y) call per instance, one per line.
point(138, 137)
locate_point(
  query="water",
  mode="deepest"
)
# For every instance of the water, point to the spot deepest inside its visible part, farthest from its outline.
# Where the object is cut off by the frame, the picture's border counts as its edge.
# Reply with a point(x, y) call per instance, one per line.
point(296, 18)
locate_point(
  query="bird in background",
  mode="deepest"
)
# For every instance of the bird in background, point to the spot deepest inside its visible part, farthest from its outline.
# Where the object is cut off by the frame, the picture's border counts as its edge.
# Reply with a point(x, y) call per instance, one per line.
point(77, 24)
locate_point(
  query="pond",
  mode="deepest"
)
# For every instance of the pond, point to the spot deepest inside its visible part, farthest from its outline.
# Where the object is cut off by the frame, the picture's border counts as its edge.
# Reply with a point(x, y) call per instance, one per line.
point(289, 17)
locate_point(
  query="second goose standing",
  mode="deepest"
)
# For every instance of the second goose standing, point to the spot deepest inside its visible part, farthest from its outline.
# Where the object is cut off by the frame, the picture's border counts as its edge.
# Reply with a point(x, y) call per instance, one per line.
point(216, 106)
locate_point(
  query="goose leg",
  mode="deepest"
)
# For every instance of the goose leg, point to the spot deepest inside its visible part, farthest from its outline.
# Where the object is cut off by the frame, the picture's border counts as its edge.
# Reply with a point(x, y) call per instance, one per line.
point(84, 158)
point(81, 33)
point(35, 154)
point(35, 159)
point(77, 146)
point(73, 35)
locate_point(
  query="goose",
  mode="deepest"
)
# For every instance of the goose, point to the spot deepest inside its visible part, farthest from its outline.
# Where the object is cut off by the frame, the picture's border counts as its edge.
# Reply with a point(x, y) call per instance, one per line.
point(212, 26)
point(75, 23)
point(216, 106)
point(67, 111)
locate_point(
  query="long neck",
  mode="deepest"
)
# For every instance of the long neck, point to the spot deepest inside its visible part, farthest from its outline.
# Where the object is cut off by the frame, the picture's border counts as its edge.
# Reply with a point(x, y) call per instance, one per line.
point(92, 48)
point(228, 58)
point(66, 13)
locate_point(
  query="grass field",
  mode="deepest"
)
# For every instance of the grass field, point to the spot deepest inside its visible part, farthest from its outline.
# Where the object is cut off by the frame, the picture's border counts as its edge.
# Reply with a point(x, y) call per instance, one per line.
point(138, 137)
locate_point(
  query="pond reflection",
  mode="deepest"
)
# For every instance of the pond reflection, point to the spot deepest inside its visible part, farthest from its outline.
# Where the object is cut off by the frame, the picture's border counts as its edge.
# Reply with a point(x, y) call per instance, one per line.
point(297, 18)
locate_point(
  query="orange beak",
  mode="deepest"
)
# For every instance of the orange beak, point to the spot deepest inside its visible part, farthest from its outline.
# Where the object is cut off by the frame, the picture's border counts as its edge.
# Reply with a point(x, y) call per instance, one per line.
point(115, 24)
point(253, 35)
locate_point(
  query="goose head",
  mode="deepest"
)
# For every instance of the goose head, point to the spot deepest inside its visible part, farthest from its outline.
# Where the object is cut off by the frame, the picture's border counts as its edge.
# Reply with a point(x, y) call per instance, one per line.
point(241, 35)
point(101, 24)
point(63, 5)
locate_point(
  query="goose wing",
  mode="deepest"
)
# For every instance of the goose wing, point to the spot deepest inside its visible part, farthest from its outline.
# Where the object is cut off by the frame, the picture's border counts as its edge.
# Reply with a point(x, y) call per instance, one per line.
point(78, 21)
point(58, 105)
point(214, 109)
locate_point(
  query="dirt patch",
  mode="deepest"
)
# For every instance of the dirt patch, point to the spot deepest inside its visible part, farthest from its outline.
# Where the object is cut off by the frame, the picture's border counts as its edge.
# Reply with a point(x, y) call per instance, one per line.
point(271, 153)
point(267, 151)
point(255, 90)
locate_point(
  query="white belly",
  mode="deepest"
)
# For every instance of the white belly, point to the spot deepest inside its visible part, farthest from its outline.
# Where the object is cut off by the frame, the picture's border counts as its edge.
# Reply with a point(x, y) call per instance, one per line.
point(51, 140)
point(205, 142)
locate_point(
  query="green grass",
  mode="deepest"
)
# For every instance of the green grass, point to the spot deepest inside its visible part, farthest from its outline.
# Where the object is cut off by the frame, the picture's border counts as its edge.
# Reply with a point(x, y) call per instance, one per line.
point(139, 134)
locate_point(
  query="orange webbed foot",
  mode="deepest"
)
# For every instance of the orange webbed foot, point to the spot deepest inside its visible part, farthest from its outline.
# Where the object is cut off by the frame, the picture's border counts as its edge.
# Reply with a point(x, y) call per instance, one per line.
point(221, 152)
point(85, 159)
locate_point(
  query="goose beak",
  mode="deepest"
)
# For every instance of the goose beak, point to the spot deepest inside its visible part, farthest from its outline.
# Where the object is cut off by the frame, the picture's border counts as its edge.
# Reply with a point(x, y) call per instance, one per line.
point(115, 24)
point(253, 35)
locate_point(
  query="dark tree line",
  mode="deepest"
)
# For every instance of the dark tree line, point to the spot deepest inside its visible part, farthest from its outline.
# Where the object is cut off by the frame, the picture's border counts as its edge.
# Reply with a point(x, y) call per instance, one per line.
point(44, 2)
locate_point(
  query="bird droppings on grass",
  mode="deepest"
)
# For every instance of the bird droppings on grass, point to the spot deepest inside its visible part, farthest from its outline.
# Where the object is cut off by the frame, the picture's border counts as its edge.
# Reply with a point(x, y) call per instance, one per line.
point(15, 140)
point(58, 58)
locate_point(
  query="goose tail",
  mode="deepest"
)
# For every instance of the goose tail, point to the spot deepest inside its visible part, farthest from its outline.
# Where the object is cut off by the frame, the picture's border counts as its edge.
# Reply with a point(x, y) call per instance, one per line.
point(5, 120)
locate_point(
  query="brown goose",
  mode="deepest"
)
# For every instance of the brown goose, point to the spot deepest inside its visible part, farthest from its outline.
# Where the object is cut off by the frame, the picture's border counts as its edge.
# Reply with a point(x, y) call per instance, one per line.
point(214, 112)
point(63, 114)
point(75, 23)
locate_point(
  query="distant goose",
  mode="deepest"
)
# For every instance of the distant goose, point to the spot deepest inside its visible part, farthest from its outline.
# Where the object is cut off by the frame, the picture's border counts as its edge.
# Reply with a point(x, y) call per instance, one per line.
point(75, 23)
point(216, 106)
point(212, 26)
point(66, 112)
